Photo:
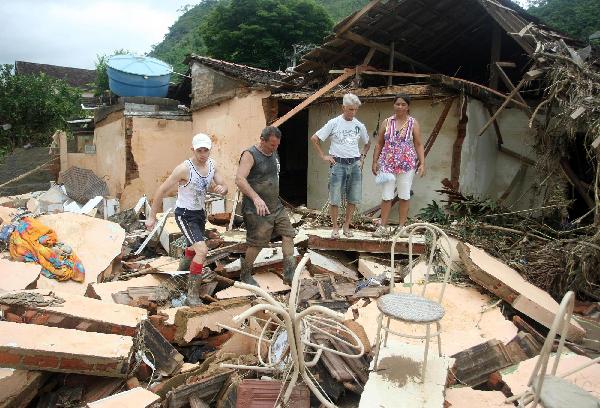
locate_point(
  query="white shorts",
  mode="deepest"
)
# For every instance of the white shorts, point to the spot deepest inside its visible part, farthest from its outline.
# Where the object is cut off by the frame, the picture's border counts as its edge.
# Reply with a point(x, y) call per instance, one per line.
point(402, 183)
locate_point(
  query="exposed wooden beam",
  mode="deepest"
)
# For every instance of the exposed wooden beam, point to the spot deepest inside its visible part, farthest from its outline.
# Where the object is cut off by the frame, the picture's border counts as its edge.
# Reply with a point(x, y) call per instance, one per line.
point(526, 78)
point(369, 56)
point(498, 68)
point(516, 155)
point(391, 63)
point(384, 73)
point(578, 184)
point(359, 39)
point(357, 16)
point(438, 126)
point(495, 55)
point(347, 74)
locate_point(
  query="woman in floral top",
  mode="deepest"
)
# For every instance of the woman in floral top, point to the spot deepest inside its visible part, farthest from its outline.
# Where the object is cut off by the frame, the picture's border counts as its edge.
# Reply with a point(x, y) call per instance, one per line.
point(398, 154)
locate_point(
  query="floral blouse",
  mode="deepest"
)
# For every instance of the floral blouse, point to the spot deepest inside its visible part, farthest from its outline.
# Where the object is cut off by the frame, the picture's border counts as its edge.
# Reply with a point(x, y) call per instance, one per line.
point(398, 154)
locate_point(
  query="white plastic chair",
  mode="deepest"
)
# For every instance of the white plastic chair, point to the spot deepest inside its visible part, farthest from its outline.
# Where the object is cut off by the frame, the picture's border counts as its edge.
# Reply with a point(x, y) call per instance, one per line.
point(303, 353)
point(547, 388)
point(414, 308)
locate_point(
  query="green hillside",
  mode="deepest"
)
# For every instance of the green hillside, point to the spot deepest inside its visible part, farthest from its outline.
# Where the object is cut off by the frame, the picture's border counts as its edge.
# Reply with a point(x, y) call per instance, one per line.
point(183, 36)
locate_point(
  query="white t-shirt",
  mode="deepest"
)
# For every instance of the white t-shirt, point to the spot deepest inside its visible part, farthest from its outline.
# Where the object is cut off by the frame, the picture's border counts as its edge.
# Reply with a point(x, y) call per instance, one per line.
point(345, 135)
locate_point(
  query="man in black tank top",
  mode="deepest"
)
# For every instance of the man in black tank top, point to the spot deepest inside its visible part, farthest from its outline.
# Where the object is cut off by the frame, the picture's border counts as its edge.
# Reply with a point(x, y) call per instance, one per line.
point(265, 217)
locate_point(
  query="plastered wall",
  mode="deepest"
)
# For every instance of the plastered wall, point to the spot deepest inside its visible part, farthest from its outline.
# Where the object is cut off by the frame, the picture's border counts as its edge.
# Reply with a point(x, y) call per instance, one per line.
point(233, 126)
point(486, 172)
point(438, 160)
point(157, 145)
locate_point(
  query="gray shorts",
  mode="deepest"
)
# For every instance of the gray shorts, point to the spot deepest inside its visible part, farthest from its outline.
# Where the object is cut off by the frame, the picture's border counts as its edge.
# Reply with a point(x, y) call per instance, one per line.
point(261, 229)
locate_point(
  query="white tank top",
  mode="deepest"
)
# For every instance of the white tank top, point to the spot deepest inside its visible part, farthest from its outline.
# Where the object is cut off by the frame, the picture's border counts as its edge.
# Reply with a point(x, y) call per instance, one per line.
point(192, 194)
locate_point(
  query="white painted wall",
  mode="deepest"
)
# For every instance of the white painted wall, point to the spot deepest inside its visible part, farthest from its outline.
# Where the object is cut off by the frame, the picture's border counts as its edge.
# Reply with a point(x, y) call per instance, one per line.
point(487, 172)
point(438, 160)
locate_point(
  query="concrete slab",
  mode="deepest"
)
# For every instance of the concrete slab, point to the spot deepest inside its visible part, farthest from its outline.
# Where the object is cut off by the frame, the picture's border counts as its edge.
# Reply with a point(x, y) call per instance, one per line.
point(80, 313)
point(516, 377)
point(266, 257)
point(370, 267)
point(398, 381)
point(96, 242)
point(33, 347)
point(266, 280)
point(469, 319)
point(321, 263)
point(508, 284)
point(19, 387)
point(135, 398)
point(17, 275)
point(467, 397)
point(190, 322)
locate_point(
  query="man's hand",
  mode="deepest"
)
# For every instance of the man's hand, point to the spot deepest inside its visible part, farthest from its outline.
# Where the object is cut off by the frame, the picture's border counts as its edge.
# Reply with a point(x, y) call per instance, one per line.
point(375, 168)
point(421, 170)
point(328, 159)
point(219, 189)
point(150, 223)
point(261, 207)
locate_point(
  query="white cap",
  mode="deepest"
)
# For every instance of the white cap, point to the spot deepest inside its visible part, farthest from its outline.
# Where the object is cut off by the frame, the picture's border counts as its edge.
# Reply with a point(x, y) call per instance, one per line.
point(201, 140)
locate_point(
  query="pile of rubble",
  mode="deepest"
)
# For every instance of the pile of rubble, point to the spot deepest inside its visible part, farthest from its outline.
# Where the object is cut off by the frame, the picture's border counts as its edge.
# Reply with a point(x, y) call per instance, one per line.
point(124, 335)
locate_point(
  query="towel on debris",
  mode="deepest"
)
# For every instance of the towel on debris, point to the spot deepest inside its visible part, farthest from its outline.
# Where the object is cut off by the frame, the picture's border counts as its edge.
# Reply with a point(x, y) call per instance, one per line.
point(32, 241)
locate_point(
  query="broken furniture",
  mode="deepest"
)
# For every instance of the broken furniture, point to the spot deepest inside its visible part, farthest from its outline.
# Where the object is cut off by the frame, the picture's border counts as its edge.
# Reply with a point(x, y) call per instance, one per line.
point(409, 307)
point(287, 334)
point(553, 390)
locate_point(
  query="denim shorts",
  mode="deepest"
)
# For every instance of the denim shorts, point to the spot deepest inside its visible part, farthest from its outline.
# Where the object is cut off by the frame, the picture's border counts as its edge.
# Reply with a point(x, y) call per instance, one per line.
point(345, 181)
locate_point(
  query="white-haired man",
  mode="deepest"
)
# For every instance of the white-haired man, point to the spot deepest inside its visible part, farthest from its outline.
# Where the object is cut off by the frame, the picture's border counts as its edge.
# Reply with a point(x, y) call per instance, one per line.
point(345, 160)
point(193, 178)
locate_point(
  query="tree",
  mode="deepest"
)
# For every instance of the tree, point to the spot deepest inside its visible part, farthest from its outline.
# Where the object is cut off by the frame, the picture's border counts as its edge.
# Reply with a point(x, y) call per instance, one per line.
point(101, 83)
point(578, 18)
point(35, 106)
point(261, 32)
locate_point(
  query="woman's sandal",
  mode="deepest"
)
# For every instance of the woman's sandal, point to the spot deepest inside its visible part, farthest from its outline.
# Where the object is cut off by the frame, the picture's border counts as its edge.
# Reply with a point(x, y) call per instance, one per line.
point(348, 234)
point(335, 234)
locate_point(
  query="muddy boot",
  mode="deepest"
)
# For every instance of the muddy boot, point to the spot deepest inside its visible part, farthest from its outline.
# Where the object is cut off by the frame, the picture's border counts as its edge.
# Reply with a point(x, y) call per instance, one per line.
point(289, 268)
point(246, 274)
point(193, 290)
point(186, 260)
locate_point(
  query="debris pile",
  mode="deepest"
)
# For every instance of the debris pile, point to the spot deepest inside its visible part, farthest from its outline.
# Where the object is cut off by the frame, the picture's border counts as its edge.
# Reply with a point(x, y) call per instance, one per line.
point(125, 334)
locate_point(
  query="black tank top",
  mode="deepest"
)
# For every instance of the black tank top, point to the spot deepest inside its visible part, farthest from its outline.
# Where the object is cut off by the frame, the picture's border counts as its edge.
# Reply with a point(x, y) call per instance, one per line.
point(264, 179)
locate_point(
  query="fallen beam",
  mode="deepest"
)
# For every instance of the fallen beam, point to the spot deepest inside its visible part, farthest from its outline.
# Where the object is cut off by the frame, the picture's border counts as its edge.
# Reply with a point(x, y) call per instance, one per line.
point(361, 242)
point(33, 347)
point(166, 358)
point(19, 387)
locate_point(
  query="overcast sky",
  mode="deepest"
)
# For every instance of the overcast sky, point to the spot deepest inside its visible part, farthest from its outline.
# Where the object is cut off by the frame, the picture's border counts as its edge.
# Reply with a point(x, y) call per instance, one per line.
point(72, 32)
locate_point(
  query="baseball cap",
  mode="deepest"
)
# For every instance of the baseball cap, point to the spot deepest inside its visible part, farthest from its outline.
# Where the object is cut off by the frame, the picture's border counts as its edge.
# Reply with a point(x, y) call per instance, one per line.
point(201, 140)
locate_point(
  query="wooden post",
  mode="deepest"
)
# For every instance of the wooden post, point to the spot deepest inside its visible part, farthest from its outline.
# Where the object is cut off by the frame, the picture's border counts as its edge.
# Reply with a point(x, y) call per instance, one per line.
point(495, 55)
point(347, 74)
point(438, 127)
point(506, 102)
point(236, 199)
point(391, 66)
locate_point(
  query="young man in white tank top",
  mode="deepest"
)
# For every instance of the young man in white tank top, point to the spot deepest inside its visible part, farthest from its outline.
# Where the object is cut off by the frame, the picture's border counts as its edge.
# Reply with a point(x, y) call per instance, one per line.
point(193, 178)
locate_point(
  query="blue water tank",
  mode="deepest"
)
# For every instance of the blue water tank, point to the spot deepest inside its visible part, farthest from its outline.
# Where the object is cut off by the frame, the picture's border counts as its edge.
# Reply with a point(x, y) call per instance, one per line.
point(132, 75)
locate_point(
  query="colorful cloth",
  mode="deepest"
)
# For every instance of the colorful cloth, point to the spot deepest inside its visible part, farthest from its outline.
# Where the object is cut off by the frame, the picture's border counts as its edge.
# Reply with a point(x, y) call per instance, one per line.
point(398, 154)
point(32, 241)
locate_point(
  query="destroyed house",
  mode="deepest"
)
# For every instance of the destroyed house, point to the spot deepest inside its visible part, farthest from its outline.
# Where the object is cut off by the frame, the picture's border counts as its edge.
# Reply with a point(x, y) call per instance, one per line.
point(459, 60)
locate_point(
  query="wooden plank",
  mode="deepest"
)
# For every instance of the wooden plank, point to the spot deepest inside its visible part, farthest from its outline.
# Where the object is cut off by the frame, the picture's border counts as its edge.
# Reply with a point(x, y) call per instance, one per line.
point(347, 74)
point(368, 57)
point(516, 180)
point(197, 402)
point(516, 155)
point(391, 63)
point(385, 73)
point(165, 357)
point(510, 96)
point(331, 265)
point(500, 71)
point(206, 388)
point(359, 39)
point(438, 126)
point(473, 366)
point(375, 246)
point(357, 16)
point(461, 133)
